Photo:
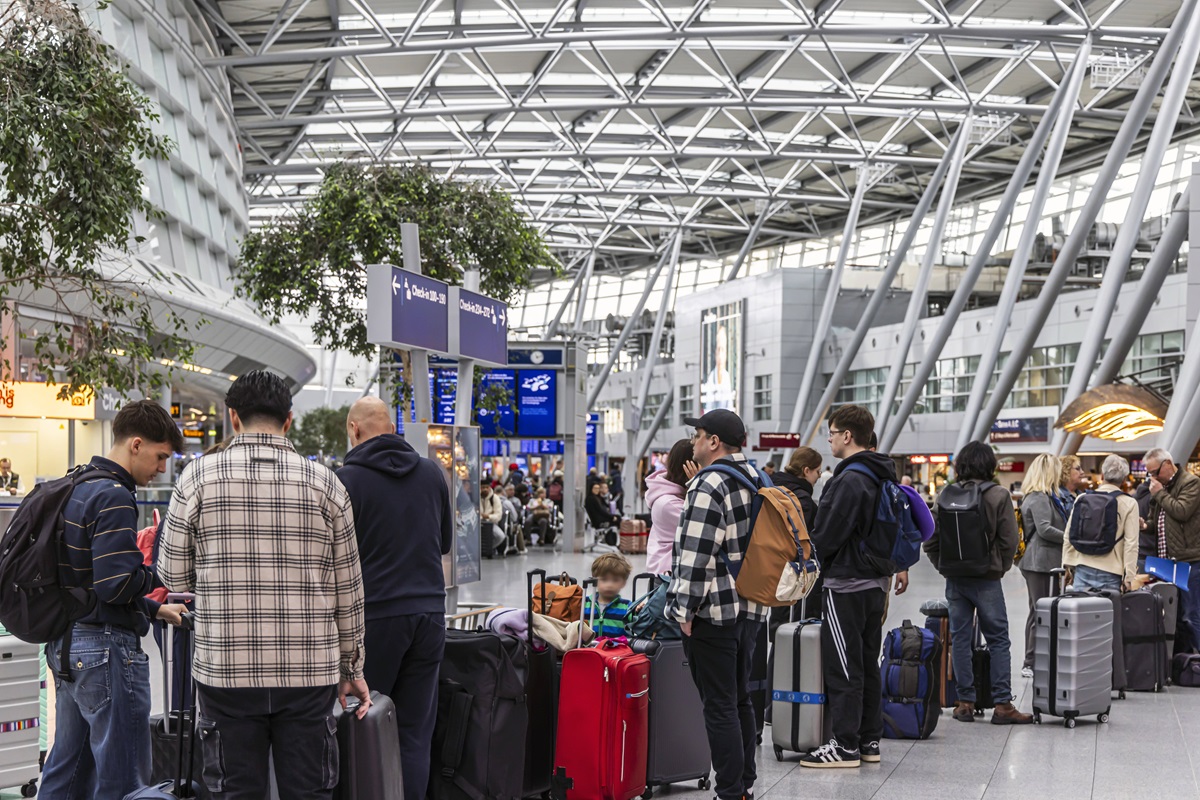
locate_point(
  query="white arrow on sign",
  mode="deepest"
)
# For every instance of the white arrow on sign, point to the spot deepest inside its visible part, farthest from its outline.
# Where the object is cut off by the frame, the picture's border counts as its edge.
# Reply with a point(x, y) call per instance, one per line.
point(502, 316)
point(395, 286)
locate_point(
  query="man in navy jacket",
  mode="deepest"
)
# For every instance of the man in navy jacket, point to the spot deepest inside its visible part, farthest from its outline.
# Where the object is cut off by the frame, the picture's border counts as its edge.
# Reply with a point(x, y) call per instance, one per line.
point(404, 526)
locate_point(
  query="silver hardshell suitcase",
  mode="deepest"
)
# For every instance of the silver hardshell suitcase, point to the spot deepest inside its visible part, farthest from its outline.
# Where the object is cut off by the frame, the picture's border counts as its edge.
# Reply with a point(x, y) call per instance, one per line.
point(798, 719)
point(20, 708)
point(1073, 655)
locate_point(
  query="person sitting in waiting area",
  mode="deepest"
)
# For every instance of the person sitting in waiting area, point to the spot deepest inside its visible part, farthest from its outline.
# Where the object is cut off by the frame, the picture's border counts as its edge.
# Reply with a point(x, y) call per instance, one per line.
point(596, 505)
point(1117, 568)
point(539, 517)
point(607, 614)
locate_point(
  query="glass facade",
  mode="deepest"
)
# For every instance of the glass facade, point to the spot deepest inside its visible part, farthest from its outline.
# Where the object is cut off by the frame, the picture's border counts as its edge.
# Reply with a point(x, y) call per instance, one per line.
point(762, 397)
point(199, 188)
point(1153, 360)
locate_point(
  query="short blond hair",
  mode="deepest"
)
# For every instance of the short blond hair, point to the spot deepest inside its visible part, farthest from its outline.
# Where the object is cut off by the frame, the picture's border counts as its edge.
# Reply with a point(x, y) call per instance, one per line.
point(1043, 475)
point(1068, 463)
point(612, 565)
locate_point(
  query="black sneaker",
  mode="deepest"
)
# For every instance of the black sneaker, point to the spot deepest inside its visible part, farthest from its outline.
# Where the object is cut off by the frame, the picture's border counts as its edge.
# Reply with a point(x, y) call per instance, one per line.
point(870, 752)
point(831, 756)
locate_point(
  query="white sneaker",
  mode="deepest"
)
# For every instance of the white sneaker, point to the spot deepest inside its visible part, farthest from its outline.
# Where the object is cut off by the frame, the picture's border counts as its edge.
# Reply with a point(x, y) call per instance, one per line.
point(1026, 672)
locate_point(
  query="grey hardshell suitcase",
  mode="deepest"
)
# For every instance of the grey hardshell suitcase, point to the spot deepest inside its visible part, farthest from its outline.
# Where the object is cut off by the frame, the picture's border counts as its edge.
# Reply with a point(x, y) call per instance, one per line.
point(678, 749)
point(20, 707)
point(1168, 593)
point(1072, 662)
point(798, 719)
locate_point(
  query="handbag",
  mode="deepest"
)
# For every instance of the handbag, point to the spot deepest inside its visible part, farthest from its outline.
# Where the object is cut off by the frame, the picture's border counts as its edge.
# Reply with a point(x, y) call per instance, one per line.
point(561, 598)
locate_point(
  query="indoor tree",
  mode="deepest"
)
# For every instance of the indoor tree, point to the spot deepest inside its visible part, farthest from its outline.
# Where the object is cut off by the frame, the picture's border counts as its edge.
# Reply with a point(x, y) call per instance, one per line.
point(73, 131)
point(321, 432)
point(312, 262)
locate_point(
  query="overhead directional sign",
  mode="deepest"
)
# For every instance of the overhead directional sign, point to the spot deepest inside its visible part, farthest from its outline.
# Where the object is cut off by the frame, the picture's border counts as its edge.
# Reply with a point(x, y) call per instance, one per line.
point(481, 332)
point(405, 309)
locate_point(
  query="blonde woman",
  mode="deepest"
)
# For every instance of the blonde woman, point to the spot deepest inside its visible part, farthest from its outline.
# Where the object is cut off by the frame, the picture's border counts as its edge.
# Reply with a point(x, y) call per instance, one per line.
point(1071, 481)
point(1044, 515)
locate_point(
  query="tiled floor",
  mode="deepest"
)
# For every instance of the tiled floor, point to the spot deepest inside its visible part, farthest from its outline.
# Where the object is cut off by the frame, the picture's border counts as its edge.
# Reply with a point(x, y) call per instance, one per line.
point(1151, 748)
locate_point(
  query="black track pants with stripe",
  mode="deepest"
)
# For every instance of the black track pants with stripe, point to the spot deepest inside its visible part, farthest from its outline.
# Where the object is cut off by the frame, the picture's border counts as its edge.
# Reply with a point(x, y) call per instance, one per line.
point(851, 639)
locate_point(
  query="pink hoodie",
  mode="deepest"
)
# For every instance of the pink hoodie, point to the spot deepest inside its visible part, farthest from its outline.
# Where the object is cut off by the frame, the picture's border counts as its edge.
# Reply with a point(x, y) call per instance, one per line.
point(665, 498)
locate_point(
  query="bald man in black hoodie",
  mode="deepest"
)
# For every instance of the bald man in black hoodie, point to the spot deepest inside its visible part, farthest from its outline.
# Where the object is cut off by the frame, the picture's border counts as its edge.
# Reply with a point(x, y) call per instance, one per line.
point(404, 525)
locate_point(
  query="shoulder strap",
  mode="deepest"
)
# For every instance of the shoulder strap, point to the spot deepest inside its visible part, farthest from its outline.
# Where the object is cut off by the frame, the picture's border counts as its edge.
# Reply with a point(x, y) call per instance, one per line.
point(862, 468)
point(756, 503)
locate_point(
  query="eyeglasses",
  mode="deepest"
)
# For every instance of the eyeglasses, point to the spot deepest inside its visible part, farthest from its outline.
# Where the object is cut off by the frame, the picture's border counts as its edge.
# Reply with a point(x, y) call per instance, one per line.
point(1158, 469)
point(834, 432)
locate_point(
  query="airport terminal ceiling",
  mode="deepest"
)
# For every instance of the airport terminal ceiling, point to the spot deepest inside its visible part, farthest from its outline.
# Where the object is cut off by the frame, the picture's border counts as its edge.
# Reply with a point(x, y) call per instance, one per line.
point(618, 123)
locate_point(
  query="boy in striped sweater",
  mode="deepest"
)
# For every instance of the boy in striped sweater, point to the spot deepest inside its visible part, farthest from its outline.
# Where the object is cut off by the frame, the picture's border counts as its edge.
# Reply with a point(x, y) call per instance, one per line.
point(607, 617)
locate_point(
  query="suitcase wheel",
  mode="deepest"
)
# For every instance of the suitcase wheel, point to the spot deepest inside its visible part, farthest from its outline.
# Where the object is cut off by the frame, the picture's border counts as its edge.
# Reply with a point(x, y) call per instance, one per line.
point(646, 795)
point(1069, 722)
point(1121, 695)
point(1103, 717)
point(29, 789)
point(704, 784)
point(1037, 718)
point(778, 755)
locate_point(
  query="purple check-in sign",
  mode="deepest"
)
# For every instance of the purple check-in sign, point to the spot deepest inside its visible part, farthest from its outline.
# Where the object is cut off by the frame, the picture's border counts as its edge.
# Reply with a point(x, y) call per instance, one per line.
point(405, 309)
point(482, 327)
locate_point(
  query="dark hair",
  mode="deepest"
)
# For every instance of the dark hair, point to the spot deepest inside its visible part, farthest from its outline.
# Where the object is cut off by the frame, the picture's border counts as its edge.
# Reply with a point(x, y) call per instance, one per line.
point(148, 420)
point(857, 420)
point(260, 394)
point(681, 453)
point(975, 462)
point(874, 443)
point(803, 458)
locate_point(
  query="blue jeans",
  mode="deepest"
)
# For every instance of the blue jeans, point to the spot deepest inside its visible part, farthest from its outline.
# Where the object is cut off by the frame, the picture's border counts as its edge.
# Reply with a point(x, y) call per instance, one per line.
point(102, 736)
point(1190, 600)
point(968, 597)
point(1091, 578)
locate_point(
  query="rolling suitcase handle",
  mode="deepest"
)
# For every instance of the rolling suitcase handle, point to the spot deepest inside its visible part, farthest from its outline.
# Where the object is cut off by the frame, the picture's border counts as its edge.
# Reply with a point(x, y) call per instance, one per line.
point(169, 668)
point(595, 584)
point(649, 576)
point(529, 581)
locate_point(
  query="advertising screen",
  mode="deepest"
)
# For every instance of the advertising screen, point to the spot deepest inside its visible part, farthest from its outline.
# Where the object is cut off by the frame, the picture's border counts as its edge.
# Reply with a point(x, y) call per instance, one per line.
point(502, 422)
point(592, 424)
point(721, 357)
point(537, 403)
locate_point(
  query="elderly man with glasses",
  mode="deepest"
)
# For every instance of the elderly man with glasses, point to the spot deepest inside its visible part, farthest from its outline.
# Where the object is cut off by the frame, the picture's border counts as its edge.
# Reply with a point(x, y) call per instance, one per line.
point(1174, 518)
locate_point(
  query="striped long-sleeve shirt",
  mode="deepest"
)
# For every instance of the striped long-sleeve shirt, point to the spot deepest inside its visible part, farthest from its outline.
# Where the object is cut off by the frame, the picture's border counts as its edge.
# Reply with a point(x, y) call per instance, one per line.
point(265, 538)
point(100, 549)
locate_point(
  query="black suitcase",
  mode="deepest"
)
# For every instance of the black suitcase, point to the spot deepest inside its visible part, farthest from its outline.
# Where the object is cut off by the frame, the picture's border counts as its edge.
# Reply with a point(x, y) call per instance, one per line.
point(1119, 682)
point(368, 752)
point(678, 739)
point(541, 695)
point(981, 664)
point(482, 718)
point(1143, 619)
point(173, 733)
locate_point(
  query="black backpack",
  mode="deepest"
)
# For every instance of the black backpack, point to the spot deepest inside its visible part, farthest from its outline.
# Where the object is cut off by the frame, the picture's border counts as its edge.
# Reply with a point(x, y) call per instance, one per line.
point(34, 605)
point(1094, 523)
point(964, 535)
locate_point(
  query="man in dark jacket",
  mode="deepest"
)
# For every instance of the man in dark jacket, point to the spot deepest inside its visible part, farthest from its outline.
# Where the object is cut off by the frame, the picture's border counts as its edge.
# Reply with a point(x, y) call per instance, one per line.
point(974, 590)
point(404, 525)
point(1174, 518)
point(855, 594)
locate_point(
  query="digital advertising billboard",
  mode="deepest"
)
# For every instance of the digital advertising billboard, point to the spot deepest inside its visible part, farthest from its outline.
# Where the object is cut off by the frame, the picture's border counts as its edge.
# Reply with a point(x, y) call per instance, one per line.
point(721, 357)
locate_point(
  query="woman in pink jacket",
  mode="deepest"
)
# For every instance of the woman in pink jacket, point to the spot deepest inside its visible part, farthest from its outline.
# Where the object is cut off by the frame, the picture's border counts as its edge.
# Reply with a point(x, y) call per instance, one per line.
point(664, 495)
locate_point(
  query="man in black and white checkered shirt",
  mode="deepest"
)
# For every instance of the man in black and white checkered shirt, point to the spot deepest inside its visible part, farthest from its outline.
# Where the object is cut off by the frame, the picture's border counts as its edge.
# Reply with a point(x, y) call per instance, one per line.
point(265, 538)
point(720, 627)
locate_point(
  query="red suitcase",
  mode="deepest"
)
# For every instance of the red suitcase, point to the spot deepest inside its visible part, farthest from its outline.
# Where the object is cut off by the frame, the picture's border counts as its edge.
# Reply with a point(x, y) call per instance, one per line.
point(603, 724)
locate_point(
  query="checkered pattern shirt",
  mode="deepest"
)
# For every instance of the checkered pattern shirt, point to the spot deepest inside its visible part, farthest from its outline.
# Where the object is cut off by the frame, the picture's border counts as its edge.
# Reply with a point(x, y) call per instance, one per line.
point(265, 538)
point(715, 519)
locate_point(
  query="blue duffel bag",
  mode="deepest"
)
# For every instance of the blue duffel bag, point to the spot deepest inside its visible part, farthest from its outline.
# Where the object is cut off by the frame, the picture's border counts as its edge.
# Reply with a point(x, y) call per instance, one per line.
point(910, 682)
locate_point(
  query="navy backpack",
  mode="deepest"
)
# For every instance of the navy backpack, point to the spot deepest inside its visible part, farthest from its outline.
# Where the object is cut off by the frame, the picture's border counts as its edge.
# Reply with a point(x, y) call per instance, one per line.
point(894, 542)
point(911, 679)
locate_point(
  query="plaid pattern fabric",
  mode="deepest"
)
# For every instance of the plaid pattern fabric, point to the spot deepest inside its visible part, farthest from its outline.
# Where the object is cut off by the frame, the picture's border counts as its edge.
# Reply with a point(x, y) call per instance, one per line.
point(266, 540)
point(715, 519)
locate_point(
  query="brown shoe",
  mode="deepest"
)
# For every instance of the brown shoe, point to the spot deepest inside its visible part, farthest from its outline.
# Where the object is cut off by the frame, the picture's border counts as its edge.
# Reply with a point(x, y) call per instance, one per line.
point(964, 712)
point(1007, 714)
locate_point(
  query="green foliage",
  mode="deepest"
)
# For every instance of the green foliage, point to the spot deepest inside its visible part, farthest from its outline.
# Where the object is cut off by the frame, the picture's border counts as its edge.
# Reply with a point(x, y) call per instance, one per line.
point(321, 432)
point(72, 133)
point(311, 263)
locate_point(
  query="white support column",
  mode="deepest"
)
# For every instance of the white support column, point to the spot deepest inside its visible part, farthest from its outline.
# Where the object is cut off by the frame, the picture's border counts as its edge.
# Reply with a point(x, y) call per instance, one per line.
point(917, 301)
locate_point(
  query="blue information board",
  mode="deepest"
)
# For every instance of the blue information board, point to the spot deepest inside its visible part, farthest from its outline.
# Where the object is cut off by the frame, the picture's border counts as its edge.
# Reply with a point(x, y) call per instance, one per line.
point(502, 423)
point(445, 389)
point(420, 311)
point(592, 424)
point(542, 447)
point(537, 403)
point(482, 328)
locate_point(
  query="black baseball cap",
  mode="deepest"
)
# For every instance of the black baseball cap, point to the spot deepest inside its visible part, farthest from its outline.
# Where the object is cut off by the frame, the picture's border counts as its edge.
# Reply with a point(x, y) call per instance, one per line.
point(722, 423)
